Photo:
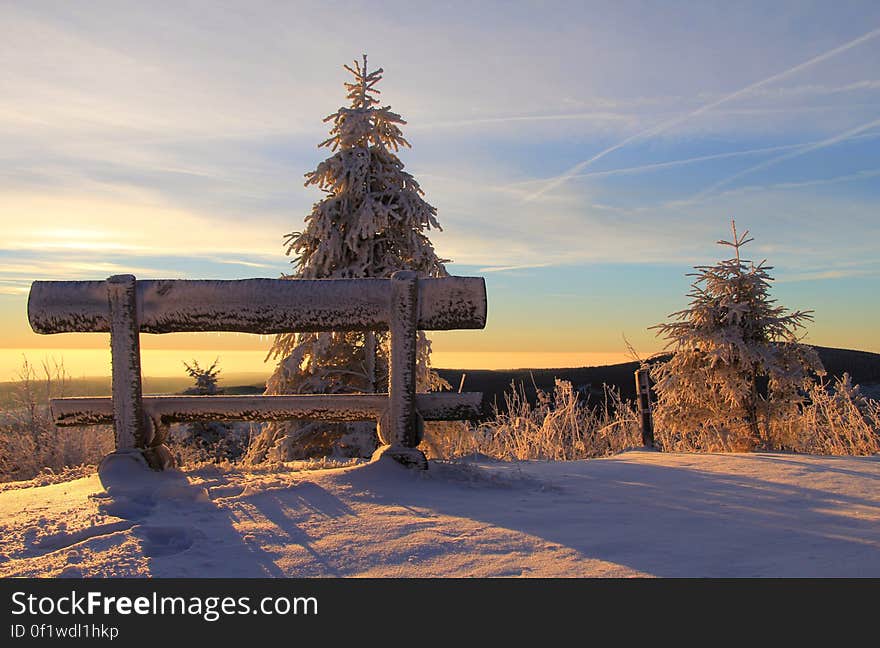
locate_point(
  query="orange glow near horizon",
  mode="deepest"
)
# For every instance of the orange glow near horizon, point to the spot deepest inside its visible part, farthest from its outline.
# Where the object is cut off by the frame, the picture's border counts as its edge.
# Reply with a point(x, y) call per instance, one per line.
point(80, 363)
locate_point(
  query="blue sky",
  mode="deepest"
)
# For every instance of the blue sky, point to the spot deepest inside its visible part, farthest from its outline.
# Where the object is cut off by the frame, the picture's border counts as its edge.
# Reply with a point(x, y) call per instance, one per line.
point(582, 155)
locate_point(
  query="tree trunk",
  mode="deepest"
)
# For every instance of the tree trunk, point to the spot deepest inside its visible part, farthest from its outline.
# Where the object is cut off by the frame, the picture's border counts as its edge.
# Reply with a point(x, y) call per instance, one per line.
point(370, 361)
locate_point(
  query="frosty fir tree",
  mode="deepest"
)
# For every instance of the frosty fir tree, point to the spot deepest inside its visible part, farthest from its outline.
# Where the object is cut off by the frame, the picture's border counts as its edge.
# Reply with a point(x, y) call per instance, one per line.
point(738, 363)
point(210, 440)
point(371, 222)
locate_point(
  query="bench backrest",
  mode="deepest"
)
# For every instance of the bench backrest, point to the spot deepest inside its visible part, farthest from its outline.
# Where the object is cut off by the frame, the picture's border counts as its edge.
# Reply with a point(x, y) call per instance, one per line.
point(256, 305)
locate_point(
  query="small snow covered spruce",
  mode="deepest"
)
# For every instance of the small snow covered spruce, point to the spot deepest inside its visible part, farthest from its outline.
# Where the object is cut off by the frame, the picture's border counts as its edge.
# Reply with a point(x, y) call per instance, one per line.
point(737, 362)
point(372, 222)
point(210, 440)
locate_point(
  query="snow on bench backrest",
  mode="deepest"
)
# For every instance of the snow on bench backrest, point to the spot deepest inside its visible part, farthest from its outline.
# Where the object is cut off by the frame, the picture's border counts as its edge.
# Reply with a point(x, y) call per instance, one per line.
point(257, 305)
point(126, 307)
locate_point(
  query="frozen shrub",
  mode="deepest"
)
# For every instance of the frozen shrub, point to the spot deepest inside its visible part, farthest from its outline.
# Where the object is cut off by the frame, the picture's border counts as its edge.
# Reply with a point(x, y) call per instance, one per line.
point(30, 444)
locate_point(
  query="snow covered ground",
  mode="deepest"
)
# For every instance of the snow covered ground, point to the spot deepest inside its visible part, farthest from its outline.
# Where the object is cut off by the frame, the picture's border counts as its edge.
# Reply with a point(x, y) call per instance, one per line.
point(636, 514)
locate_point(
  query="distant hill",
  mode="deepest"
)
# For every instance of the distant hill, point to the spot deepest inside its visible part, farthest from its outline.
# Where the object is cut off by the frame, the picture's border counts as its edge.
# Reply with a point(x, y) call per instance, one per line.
point(862, 366)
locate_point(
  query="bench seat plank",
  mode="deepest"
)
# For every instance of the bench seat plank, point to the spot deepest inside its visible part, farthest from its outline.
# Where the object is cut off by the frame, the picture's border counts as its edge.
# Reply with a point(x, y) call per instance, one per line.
point(435, 406)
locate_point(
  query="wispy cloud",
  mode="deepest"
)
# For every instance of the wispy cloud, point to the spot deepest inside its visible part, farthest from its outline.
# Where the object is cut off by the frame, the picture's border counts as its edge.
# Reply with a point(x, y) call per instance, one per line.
point(14, 290)
point(831, 141)
point(813, 89)
point(14, 287)
point(645, 168)
point(508, 268)
point(485, 121)
point(826, 275)
point(849, 177)
point(552, 183)
point(71, 269)
point(249, 264)
point(134, 227)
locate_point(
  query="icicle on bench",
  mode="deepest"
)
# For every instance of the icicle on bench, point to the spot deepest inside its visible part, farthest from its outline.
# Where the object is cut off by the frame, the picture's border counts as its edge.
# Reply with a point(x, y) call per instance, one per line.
point(125, 307)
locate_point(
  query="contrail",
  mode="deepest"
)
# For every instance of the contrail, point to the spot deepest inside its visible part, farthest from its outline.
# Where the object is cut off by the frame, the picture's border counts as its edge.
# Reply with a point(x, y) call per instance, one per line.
point(675, 163)
point(555, 182)
point(707, 158)
point(781, 158)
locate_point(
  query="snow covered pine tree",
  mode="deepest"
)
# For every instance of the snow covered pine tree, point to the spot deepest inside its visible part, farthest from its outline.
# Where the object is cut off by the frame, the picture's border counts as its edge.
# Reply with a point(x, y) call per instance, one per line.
point(210, 440)
point(737, 361)
point(371, 223)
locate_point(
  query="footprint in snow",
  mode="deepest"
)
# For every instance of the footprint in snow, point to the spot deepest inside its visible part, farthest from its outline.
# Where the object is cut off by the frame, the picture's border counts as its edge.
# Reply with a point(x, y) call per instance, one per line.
point(129, 507)
point(164, 540)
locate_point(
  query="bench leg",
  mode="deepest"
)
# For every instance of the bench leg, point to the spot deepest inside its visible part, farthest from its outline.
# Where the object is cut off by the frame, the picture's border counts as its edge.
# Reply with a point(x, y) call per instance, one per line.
point(400, 430)
point(409, 456)
point(129, 420)
point(157, 454)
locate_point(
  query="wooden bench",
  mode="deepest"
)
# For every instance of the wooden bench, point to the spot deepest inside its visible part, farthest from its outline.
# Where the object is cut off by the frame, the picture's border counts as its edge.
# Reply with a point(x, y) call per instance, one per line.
point(126, 307)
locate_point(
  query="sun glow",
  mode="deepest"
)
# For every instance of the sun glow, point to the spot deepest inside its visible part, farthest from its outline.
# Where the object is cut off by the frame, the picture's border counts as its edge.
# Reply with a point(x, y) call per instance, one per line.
point(169, 362)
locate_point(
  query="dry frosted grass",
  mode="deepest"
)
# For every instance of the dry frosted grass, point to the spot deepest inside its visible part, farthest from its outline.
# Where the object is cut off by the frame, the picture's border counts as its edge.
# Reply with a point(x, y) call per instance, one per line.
point(835, 419)
point(558, 427)
point(30, 444)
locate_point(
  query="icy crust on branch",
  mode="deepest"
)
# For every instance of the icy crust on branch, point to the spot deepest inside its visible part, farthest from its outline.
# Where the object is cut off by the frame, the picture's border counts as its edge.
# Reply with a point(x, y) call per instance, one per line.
point(372, 222)
point(730, 341)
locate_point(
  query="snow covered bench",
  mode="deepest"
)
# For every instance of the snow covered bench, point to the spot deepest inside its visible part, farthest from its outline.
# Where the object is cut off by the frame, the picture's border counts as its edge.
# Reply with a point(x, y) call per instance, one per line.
point(125, 307)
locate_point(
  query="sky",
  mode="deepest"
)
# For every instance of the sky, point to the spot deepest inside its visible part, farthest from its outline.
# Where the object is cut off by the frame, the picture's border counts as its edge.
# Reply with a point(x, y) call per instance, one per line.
point(582, 157)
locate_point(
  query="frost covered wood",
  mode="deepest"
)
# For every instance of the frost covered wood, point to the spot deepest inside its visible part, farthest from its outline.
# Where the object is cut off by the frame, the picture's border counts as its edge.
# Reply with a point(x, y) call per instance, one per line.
point(261, 306)
point(436, 406)
point(125, 306)
point(402, 380)
point(125, 352)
